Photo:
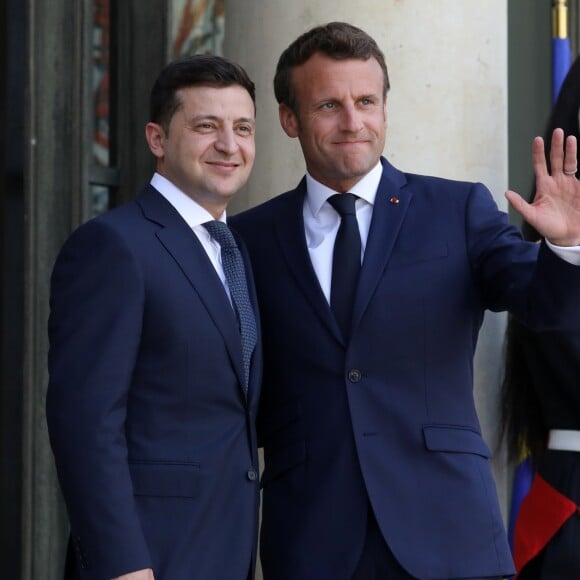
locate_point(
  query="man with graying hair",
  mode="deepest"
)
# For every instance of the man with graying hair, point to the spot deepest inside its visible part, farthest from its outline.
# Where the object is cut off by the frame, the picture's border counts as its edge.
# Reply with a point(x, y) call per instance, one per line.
point(372, 285)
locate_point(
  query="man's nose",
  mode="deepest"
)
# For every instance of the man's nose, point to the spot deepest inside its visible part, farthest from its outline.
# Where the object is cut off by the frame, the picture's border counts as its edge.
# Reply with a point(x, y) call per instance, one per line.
point(351, 119)
point(226, 141)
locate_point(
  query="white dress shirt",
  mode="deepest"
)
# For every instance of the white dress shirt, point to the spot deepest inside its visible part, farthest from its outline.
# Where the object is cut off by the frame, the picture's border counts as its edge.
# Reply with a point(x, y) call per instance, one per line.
point(321, 222)
point(195, 216)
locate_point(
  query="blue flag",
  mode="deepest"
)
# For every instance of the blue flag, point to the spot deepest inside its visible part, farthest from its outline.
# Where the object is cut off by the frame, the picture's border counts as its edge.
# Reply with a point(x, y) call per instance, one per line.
point(522, 483)
point(561, 61)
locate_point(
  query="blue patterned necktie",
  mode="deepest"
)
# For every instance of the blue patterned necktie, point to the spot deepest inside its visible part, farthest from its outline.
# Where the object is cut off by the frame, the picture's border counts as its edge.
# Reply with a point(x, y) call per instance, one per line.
point(235, 273)
point(345, 261)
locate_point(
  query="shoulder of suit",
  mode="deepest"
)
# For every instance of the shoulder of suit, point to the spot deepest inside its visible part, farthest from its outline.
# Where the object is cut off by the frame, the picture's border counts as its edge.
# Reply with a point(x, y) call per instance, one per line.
point(268, 208)
point(437, 181)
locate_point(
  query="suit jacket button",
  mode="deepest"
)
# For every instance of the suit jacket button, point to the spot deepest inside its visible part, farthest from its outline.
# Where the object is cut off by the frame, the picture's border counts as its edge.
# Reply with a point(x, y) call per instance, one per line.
point(354, 376)
point(252, 474)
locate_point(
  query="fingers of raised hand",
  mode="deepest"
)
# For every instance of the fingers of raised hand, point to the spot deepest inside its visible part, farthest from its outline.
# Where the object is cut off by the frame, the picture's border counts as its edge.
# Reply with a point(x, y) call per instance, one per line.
point(570, 166)
point(563, 154)
point(539, 157)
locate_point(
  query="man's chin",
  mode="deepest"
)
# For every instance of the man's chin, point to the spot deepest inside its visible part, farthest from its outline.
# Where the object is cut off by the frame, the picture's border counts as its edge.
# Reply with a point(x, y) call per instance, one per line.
point(357, 165)
point(229, 193)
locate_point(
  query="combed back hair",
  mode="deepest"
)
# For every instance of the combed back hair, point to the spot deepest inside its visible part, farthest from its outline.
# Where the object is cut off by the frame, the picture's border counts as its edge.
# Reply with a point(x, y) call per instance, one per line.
point(190, 71)
point(336, 40)
point(522, 425)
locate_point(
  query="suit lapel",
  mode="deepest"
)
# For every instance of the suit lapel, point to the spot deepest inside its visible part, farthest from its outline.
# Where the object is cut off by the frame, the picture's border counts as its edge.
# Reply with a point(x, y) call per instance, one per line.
point(183, 245)
point(391, 204)
point(292, 239)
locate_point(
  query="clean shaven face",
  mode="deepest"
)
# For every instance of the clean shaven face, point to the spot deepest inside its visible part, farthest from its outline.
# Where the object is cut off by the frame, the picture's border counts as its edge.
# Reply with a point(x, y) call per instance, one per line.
point(209, 150)
point(340, 118)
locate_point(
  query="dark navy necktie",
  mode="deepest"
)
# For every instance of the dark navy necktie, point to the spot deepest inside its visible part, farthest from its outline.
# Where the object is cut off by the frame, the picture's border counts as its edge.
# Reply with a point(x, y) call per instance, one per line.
point(235, 274)
point(346, 261)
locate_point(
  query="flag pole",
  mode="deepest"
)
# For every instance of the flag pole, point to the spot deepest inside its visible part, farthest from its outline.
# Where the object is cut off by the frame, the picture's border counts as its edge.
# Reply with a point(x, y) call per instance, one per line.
point(561, 51)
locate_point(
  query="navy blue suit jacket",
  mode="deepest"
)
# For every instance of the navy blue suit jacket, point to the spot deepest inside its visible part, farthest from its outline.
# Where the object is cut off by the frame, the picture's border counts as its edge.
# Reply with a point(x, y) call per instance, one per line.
point(389, 416)
point(153, 436)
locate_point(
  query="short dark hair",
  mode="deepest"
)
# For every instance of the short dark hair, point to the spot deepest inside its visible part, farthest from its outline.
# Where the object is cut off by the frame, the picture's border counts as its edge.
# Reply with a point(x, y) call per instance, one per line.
point(195, 70)
point(337, 40)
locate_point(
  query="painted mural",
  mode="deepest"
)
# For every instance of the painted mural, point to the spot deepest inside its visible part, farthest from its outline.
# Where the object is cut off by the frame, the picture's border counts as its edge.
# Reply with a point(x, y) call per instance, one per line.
point(101, 44)
point(196, 26)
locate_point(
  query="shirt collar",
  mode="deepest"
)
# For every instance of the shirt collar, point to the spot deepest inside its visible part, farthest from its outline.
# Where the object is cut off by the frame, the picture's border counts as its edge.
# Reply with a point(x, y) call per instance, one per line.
point(193, 213)
point(366, 189)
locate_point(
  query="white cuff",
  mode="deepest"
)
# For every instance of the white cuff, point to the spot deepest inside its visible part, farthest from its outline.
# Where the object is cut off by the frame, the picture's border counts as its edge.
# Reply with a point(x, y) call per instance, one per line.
point(568, 254)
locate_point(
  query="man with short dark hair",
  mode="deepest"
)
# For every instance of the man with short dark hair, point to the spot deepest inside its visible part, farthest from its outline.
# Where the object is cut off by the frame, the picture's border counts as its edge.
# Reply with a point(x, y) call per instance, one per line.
point(375, 467)
point(155, 354)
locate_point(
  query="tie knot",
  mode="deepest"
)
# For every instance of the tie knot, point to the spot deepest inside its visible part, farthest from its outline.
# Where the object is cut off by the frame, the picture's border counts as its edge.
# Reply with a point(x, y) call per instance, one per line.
point(220, 233)
point(343, 203)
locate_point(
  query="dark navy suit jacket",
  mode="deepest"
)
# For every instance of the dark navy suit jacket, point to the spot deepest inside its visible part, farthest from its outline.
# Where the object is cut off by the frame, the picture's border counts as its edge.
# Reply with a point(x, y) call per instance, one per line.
point(389, 416)
point(153, 436)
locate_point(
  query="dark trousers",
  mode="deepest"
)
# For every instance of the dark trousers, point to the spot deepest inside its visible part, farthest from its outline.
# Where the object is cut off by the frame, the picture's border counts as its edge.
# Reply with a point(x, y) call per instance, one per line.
point(377, 562)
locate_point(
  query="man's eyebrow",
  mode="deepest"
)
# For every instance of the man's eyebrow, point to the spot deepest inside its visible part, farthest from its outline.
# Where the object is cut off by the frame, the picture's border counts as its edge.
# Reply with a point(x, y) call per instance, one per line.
point(204, 117)
point(208, 117)
point(250, 120)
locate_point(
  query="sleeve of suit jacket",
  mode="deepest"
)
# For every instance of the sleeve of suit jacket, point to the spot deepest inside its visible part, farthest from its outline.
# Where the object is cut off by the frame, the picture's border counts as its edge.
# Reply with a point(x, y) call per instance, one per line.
point(97, 300)
point(544, 297)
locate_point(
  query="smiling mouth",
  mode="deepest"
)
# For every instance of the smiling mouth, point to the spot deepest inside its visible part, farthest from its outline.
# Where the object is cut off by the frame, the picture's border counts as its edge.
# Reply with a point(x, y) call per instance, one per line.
point(357, 142)
point(225, 164)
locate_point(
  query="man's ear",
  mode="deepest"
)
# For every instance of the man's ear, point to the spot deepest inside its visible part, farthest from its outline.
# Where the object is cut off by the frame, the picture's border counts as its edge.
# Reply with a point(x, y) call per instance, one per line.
point(155, 137)
point(288, 120)
point(385, 111)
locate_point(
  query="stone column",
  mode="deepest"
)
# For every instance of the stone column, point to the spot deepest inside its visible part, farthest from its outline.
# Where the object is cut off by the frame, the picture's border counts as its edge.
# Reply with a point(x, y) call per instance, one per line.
point(447, 110)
